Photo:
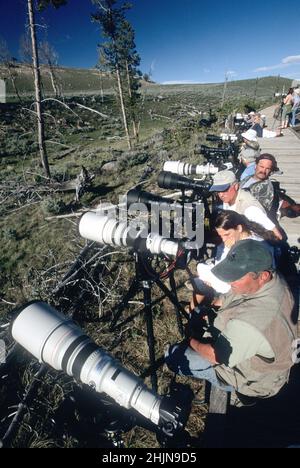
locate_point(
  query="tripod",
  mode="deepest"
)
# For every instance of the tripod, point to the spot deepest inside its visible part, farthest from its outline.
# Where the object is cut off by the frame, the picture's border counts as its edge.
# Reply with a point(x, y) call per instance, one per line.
point(143, 281)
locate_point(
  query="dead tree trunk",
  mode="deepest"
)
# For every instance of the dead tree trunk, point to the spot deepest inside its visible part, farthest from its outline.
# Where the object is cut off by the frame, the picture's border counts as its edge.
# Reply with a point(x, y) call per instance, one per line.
point(123, 107)
point(12, 77)
point(101, 86)
point(53, 80)
point(37, 86)
point(224, 91)
point(134, 123)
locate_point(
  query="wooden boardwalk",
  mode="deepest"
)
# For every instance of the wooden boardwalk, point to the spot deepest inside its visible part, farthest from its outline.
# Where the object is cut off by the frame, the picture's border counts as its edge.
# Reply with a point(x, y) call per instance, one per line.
point(286, 150)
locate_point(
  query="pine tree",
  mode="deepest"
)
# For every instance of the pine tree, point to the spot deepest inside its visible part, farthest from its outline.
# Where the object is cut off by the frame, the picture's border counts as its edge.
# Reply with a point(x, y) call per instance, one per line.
point(133, 74)
point(120, 56)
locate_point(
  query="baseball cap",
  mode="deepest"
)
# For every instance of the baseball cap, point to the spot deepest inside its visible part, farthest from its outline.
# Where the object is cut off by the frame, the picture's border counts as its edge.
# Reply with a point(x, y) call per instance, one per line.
point(250, 135)
point(244, 257)
point(222, 181)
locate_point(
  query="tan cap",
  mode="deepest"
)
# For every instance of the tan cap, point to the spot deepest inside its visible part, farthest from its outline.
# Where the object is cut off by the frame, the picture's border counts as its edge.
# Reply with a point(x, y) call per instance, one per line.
point(222, 181)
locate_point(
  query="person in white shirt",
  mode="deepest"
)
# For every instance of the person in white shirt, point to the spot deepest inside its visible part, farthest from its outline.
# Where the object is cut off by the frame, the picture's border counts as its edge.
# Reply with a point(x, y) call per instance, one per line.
point(241, 201)
point(231, 227)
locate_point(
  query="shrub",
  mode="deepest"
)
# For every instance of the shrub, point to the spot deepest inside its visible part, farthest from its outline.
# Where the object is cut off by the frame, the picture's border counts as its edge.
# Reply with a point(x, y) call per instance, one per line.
point(52, 206)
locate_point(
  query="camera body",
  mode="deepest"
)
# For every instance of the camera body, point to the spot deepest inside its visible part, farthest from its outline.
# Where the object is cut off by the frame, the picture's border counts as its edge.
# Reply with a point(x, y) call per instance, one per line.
point(240, 123)
point(219, 157)
point(223, 138)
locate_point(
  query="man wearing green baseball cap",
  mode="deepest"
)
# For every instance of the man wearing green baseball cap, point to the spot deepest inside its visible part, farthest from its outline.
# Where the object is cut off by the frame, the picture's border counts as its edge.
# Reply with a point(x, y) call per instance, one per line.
point(253, 333)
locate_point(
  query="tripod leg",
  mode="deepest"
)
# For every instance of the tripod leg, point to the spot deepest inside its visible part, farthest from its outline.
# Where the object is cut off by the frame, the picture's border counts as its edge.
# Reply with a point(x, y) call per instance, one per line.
point(178, 316)
point(131, 293)
point(171, 297)
point(150, 333)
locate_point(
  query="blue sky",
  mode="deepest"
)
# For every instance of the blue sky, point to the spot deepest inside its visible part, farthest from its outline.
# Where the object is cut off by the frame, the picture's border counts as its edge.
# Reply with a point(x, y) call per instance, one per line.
point(182, 41)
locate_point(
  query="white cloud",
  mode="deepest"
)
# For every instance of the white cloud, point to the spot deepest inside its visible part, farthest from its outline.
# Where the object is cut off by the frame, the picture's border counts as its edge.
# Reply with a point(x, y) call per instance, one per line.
point(285, 62)
point(291, 59)
point(206, 70)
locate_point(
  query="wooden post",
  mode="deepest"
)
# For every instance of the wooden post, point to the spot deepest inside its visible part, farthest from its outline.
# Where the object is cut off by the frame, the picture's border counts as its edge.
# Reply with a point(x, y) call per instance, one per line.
point(215, 426)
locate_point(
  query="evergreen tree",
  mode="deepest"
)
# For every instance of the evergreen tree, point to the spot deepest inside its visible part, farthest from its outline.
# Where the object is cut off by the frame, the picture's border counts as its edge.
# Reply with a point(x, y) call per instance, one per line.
point(120, 55)
point(133, 75)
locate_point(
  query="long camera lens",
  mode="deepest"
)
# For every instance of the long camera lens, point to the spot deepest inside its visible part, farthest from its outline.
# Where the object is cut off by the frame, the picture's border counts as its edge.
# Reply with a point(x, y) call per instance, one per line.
point(168, 180)
point(222, 138)
point(108, 231)
point(214, 138)
point(146, 198)
point(212, 152)
point(55, 340)
point(185, 169)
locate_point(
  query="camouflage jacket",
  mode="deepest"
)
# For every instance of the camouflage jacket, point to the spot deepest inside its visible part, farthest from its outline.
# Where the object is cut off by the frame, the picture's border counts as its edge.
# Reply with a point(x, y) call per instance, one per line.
point(262, 191)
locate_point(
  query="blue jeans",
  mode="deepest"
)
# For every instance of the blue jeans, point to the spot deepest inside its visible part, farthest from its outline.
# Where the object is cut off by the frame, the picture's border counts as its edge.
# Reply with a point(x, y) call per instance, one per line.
point(183, 360)
point(293, 118)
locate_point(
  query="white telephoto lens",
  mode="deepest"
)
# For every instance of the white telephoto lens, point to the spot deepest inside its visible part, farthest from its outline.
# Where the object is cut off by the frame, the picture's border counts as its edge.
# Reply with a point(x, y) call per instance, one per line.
point(92, 227)
point(207, 169)
point(157, 245)
point(55, 340)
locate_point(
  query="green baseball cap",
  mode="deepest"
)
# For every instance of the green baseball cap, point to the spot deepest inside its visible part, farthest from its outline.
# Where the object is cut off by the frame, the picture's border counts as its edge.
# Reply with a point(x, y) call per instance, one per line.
point(244, 257)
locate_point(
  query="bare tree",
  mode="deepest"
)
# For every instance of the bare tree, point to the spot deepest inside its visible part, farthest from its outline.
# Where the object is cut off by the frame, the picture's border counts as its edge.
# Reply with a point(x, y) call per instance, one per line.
point(37, 87)
point(49, 57)
point(224, 90)
point(25, 49)
point(41, 4)
point(102, 68)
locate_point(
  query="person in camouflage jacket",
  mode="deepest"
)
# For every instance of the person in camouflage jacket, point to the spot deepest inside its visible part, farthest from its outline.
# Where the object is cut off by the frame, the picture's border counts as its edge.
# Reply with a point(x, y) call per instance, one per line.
point(260, 185)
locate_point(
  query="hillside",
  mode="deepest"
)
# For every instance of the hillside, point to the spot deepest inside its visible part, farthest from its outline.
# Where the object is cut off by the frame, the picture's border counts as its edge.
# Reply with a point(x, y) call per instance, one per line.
point(89, 81)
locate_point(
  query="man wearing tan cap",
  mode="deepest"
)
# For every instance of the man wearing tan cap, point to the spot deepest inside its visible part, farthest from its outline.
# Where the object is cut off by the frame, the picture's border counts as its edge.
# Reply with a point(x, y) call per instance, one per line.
point(241, 201)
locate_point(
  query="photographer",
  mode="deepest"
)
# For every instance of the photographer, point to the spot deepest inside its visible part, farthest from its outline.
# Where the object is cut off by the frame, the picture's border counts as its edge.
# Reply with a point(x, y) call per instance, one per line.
point(253, 332)
point(287, 108)
point(231, 227)
point(258, 125)
point(241, 201)
point(296, 106)
point(260, 185)
point(249, 152)
point(267, 192)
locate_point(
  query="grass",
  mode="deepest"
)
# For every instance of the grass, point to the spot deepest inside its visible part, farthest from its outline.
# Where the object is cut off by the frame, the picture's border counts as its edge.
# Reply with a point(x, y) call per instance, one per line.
point(36, 253)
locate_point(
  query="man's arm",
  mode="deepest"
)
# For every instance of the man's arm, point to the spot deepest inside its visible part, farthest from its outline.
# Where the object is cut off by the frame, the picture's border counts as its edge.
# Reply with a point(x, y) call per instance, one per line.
point(277, 233)
point(258, 216)
point(206, 350)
